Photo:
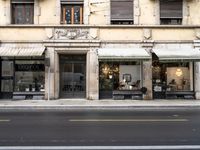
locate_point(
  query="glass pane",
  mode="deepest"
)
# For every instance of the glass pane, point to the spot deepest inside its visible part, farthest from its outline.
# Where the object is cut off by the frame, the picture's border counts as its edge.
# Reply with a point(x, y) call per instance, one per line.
point(79, 77)
point(6, 85)
point(23, 13)
point(68, 14)
point(77, 14)
point(67, 78)
point(7, 68)
point(29, 76)
point(178, 78)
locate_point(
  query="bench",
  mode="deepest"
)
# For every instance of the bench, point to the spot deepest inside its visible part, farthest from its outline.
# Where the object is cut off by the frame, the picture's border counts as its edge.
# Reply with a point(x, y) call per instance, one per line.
point(127, 94)
point(180, 94)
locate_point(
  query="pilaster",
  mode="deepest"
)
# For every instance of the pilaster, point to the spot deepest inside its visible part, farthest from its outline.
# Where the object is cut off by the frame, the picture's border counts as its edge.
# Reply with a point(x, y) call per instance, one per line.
point(50, 79)
point(197, 72)
point(92, 75)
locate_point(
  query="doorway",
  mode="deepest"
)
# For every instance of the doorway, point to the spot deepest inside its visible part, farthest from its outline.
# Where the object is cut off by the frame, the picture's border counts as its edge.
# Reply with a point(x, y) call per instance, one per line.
point(73, 76)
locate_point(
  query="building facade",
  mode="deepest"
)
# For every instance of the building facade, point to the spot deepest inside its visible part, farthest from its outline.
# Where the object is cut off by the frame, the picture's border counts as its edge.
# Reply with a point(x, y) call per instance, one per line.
point(100, 49)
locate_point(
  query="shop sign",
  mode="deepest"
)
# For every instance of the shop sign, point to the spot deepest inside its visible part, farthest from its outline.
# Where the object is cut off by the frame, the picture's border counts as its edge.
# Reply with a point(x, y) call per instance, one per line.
point(29, 67)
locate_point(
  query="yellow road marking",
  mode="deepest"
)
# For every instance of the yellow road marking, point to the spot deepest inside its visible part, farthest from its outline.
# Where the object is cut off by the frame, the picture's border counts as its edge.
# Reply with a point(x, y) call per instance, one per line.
point(128, 120)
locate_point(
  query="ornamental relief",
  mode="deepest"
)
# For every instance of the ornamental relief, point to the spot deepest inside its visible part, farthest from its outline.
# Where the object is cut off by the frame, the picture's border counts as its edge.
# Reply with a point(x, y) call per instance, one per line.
point(72, 34)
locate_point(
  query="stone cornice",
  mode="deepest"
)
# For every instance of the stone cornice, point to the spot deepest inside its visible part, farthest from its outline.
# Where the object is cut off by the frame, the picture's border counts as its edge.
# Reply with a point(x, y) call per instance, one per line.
point(102, 26)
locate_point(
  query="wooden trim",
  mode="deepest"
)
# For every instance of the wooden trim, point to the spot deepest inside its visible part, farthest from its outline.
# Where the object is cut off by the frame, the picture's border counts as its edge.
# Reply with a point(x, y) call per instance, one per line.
point(81, 15)
point(72, 15)
point(63, 15)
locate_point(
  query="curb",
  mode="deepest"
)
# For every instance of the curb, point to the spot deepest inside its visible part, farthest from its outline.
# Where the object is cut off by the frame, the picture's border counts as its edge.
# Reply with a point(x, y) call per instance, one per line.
point(72, 108)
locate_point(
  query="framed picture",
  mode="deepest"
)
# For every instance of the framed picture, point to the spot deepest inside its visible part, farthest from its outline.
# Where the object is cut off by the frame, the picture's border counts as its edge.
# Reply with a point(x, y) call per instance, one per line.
point(127, 77)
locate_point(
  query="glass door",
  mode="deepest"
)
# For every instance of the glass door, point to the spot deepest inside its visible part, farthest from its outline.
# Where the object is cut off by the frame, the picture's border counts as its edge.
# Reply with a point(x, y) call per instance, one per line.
point(72, 77)
point(7, 74)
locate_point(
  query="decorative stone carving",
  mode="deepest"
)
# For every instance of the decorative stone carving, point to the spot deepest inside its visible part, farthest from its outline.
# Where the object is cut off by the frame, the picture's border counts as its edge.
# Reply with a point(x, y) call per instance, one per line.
point(147, 34)
point(71, 34)
point(49, 32)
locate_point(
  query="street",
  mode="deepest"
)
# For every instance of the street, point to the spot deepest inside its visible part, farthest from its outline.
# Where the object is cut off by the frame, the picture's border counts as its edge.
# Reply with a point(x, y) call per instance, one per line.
point(100, 128)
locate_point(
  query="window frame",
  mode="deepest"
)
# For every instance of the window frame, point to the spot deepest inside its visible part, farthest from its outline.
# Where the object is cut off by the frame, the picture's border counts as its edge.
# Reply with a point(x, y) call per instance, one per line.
point(122, 21)
point(24, 4)
point(72, 7)
point(174, 20)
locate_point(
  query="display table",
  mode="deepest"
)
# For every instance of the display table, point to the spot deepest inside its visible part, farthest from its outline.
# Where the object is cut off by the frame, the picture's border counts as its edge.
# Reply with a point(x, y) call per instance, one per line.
point(127, 94)
point(28, 95)
point(180, 94)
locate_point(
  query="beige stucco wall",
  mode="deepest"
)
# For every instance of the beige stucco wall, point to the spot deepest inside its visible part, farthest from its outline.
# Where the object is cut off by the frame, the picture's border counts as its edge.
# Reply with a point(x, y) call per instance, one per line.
point(48, 12)
point(194, 17)
point(146, 11)
point(97, 12)
point(104, 33)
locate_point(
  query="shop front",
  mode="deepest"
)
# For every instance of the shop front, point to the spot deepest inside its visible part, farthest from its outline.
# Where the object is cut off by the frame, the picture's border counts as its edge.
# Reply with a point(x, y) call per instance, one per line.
point(173, 73)
point(121, 73)
point(22, 73)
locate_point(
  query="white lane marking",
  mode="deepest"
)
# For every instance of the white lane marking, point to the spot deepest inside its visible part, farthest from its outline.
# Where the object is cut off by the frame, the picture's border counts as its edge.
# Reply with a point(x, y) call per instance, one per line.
point(128, 120)
point(170, 147)
point(4, 120)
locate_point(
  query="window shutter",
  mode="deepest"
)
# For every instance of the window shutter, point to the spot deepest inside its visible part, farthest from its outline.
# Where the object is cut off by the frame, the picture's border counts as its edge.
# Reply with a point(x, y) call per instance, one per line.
point(71, 1)
point(122, 10)
point(171, 8)
point(22, 1)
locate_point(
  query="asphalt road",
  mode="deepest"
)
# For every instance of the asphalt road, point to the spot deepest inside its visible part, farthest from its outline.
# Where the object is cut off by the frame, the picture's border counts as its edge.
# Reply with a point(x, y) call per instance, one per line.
point(100, 128)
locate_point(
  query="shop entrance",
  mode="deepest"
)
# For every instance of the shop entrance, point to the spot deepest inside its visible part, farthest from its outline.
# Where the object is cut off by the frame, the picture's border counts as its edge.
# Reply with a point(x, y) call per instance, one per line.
point(7, 74)
point(72, 76)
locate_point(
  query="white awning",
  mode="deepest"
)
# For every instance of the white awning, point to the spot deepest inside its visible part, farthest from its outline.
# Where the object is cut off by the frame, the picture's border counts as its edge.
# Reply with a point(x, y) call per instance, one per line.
point(21, 51)
point(123, 53)
point(178, 54)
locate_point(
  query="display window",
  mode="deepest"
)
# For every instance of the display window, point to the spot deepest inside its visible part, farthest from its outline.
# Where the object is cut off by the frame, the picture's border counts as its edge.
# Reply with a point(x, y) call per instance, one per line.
point(172, 77)
point(29, 76)
point(118, 76)
point(22, 77)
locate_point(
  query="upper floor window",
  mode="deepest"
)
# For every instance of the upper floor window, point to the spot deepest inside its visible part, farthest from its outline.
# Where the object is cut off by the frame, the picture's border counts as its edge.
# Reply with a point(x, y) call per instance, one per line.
point(122, 11)
point(72, 11)
point(171, 12)
point(22, 11)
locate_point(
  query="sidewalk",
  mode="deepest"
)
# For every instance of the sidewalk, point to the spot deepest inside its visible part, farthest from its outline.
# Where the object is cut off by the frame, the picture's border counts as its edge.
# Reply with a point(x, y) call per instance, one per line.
point(101, 104)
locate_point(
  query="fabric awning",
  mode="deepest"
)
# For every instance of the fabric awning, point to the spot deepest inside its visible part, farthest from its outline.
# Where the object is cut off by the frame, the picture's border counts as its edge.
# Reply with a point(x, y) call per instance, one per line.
point(123, 53)
point(21, 51)
point(178, 54)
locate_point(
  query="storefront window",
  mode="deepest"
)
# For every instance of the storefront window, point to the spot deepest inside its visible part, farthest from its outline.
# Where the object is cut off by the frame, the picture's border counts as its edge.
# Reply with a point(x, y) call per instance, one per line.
point(119, 76)
point(29, 76)
point(172, 76)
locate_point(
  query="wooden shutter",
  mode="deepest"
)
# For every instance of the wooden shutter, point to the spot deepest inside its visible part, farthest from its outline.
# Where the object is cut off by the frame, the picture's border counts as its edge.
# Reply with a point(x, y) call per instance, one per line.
point(122, 10)
point(171, 8)
point(71, 1)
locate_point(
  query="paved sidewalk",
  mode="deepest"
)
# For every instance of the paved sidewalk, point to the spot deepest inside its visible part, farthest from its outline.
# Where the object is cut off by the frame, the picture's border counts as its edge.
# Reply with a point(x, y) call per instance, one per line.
point(82, 103)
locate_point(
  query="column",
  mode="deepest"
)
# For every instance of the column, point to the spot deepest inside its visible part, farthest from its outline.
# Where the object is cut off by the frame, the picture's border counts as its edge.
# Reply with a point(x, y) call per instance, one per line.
point(92, 75)
point(50, 54)
point(147, 79)
point(197, 79)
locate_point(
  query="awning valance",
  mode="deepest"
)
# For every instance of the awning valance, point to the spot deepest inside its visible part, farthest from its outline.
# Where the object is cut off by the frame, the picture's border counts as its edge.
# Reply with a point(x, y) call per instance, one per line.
point(123, 53)
point(178, 54)
point(21, 51)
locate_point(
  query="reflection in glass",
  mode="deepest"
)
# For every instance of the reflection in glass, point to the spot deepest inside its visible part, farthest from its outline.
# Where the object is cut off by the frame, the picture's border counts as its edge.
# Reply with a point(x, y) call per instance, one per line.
point(6, 85)
point(29, 76)
point(7, 68)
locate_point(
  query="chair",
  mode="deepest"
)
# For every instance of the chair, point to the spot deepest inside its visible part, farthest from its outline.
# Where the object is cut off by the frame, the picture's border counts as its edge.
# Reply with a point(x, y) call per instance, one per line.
point(137, 84)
